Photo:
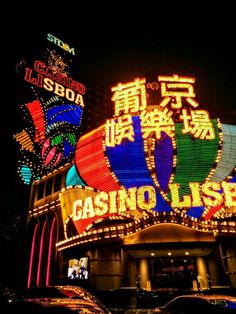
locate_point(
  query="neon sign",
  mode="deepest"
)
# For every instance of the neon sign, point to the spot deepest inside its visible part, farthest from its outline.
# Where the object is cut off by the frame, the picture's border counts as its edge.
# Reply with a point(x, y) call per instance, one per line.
point(130, 98)
point(56, 82)
point(54, 112)
point(144, 198)
point(60, 44)
point(172, 148)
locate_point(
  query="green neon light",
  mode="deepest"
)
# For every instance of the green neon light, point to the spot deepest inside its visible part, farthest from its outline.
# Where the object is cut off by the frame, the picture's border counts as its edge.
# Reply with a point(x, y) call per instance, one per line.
point(195, 158)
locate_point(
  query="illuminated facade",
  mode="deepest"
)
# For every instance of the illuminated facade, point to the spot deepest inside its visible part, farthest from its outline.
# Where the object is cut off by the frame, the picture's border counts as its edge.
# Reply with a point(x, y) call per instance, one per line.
point(151, 191)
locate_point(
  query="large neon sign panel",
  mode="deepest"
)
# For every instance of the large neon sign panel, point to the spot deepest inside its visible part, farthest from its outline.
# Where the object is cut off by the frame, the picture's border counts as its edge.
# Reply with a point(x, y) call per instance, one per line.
point(168, 158)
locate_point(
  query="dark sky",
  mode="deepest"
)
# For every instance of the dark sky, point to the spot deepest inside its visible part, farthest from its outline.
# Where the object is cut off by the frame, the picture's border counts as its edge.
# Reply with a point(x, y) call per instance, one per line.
point(118, 49)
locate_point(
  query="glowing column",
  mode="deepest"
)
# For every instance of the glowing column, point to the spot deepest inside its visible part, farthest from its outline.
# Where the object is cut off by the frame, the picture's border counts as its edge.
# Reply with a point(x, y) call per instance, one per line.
point(202, 273)
point(144, 273)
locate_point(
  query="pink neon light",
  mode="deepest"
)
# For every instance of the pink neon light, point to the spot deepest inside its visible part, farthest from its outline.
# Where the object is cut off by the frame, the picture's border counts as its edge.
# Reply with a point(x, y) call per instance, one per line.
point(40, 253)
point(50, 252)
point(50, 156)
point(32, 257)
point(58, 158)
point(45, 146)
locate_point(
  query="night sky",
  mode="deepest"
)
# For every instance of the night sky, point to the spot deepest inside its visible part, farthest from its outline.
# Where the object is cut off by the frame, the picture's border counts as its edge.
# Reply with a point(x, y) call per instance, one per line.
point(110, 50)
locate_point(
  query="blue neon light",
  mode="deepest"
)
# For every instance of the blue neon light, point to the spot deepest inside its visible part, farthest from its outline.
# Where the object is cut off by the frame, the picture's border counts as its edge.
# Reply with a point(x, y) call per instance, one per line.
point(64, 113)
point(128, 163)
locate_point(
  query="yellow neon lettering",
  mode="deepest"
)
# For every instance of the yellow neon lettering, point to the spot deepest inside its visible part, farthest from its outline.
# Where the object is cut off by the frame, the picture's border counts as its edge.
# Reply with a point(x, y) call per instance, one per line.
point(59, 90)
point(146, 197)
point(174, 189)
point(100, 202)
point(112, 199)
point(230, 193)
point(48, 84)
point(77, 212)
point(196, 194)
point(127, 199)
point(88, 210)
point(79, 100)
point(70, 94)
point(213, 197)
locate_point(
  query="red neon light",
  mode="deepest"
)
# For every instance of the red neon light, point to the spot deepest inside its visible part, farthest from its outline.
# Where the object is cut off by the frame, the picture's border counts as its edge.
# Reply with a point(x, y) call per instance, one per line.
point(38, 118)
point(91, 163)
point(212, 211)
point(40, 254)
point(82, 224)
point(50, 252)
point(32, 257)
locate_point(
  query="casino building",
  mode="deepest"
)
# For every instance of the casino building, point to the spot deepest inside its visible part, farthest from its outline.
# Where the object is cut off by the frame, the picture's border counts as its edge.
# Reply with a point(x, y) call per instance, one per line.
point(149, 193)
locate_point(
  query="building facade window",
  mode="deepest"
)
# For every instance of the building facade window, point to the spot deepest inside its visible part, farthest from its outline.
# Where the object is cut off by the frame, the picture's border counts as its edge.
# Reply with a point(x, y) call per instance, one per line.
point(48, 190)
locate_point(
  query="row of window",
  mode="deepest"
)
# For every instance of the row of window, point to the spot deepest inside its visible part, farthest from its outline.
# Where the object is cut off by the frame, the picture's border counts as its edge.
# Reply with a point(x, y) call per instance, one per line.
point(52, 185)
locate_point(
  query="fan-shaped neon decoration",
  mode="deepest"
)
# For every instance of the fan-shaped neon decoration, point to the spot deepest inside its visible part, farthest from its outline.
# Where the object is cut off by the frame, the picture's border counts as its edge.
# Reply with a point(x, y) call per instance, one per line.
point(126, 165)
point(37, 115)
point(227, 160)
point(64, 113)
point(73, 178)
point(195, 158)
point(92, 164)
point(53, 138)
point(163, 160)
point(26, 174)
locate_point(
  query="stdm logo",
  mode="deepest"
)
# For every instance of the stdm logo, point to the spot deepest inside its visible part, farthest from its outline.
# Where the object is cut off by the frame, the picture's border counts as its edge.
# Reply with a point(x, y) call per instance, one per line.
point(61, 44)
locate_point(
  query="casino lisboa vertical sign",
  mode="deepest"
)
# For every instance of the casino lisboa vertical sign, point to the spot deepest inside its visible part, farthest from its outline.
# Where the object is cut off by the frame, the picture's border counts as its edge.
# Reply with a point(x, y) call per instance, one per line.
point(53, 112)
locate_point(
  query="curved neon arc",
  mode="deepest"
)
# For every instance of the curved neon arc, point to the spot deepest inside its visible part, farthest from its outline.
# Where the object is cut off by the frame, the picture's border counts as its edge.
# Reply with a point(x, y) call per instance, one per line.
point(68, 113)
point(73, 178)
point(129, 166)
point(163, 155)
point(228, 155)
point(91, 164)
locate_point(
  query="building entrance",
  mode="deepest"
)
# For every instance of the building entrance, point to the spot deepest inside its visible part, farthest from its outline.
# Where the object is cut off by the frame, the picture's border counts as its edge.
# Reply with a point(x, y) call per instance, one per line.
point(177, 273)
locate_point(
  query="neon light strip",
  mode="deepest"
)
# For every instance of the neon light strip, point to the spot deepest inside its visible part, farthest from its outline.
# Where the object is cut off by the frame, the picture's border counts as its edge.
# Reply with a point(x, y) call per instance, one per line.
point(225, 165)
point(50, 252)
point(195, 211)
point(91, 162)
point(32, 256)
point(212, 211)
point(137, 225)
point(204, 153)
point(68, 148)
point(128, 161)
point(40, 254)
point(129, 165)
point(163, 160)
point(25, 141)
point(227, 161)
point(195, 158)
point(65, 113)
point(72, 178)
point(38, 119)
